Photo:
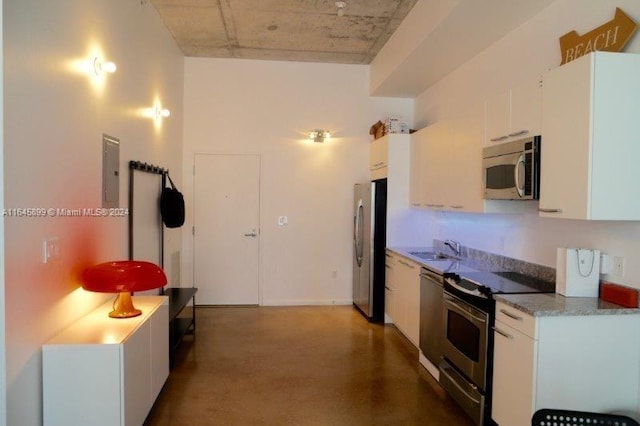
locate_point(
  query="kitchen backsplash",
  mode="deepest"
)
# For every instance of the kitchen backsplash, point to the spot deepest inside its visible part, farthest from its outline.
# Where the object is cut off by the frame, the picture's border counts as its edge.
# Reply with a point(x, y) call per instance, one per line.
point(498, 262)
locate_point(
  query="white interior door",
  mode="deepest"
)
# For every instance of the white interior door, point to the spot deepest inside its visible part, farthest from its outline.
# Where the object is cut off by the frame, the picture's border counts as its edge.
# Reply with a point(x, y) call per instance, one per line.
point(227, 232)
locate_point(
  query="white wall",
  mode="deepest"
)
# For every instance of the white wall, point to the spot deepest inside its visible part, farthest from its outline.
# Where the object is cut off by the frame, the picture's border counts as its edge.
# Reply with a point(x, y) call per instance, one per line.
point(519, 57)
point(264, 107)
point(54, 118)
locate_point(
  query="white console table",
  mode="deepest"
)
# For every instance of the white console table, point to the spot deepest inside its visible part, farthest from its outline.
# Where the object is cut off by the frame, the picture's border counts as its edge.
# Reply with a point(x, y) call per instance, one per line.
point(107, 371)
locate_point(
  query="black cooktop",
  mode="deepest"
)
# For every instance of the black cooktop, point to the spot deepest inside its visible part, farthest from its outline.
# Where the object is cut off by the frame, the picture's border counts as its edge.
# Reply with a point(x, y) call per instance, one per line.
point(506, 282)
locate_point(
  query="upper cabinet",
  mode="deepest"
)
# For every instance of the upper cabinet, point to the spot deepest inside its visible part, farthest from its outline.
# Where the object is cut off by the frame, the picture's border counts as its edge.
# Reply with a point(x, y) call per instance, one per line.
point(391, 155)
point(446, 166)
point(513, 114)
point(432, 155)
point(590, 131)
point(378, 157)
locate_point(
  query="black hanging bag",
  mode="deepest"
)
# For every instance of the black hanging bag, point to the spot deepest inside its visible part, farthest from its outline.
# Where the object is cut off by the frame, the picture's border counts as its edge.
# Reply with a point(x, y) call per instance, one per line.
point(172, 206)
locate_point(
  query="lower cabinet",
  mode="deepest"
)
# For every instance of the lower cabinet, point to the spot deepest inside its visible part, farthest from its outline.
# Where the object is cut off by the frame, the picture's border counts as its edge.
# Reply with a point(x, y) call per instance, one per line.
point(579, 362)
point(406, 297)
point(389, 288)
point(107, 371)
point(513, 376)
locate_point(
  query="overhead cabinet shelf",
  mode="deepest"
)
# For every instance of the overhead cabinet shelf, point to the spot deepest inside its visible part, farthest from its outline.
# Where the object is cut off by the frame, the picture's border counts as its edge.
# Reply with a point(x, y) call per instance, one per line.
point(590, 139)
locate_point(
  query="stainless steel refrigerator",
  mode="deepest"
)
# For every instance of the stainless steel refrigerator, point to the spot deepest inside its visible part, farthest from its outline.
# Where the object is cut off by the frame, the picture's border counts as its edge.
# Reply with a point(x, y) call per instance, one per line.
point(369, 242)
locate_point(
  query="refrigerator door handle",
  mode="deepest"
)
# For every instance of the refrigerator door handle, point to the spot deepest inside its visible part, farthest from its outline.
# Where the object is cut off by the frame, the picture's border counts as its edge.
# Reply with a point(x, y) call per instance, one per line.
point(358, 232)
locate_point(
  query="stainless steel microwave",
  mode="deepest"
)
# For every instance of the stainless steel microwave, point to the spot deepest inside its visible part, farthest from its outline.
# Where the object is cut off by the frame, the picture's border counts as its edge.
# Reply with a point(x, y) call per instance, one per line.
point(512, 170)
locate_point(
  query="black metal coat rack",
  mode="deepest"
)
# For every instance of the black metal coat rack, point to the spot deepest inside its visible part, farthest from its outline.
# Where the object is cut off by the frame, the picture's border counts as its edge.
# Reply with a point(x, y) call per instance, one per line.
point(146, 168)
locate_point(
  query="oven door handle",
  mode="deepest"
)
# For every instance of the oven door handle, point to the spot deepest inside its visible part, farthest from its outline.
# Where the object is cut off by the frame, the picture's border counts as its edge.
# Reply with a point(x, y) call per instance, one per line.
point(463, 311)
point(460, 388)
point(474, 293)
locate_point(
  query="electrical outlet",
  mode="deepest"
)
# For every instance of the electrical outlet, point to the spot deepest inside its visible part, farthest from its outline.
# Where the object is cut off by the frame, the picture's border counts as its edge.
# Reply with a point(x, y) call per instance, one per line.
point(618, 266)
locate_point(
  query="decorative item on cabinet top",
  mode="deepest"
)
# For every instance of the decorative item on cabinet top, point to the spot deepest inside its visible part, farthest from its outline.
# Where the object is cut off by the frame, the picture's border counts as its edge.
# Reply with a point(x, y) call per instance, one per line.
point(609, 37)
point(390, 125)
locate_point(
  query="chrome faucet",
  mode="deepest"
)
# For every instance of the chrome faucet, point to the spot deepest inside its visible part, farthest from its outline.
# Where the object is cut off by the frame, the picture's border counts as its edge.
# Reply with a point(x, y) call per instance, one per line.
point(453, 245)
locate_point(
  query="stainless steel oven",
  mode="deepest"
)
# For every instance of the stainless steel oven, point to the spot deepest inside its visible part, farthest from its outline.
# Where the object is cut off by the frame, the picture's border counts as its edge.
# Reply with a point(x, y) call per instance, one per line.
point(466, 330)
point(467, 314)
point(467, 343)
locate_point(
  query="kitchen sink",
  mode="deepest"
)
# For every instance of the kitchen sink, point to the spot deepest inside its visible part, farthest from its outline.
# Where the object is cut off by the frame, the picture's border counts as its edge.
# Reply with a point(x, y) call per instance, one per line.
point(429, 255)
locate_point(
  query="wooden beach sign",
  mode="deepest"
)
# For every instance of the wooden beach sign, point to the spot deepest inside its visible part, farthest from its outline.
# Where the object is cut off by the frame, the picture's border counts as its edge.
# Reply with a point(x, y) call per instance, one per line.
point(609, 37)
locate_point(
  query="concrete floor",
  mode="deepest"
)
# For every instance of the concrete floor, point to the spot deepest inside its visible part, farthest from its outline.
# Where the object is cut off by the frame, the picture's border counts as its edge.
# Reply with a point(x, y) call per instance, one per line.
point(299, 366)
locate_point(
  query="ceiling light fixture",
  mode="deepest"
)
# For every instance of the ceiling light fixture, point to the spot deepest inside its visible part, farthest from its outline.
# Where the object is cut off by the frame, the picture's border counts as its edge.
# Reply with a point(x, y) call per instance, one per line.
point(319, 135)
point(341, 5)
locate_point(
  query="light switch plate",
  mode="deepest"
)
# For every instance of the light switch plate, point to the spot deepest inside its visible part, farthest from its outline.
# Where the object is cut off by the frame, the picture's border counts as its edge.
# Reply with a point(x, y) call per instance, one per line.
point(50, 249)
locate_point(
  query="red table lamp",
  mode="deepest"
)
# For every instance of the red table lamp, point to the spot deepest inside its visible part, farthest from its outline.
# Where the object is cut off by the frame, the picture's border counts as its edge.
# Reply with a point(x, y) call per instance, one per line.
point(123, 277)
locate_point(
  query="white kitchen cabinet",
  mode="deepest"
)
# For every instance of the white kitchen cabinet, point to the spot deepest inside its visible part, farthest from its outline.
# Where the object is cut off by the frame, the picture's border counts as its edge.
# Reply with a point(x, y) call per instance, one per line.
point(397, 171)
point(590, 150)
point(416, 158)
point(526, 110)
point(465, 187)
point(563, 362)
point(107, 371)
point(390, 288)
point(378, 157)
point(497, 120)
point(513, 376)
point(407, 298)
point(392, 151)
point(431, 144)
point(447, 174)
point(514, 114)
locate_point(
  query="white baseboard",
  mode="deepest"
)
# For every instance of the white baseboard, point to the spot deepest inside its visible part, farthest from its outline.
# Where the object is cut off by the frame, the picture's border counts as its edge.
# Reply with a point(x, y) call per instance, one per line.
point(312, 302)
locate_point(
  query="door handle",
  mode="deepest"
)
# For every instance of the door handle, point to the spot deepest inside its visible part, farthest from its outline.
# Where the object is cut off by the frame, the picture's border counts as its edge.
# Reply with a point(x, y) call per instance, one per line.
point(516, 177)
point(252, 234)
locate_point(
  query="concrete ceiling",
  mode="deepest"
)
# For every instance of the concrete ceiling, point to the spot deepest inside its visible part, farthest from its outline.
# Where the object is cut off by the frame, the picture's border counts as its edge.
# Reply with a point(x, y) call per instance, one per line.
point(289, 30)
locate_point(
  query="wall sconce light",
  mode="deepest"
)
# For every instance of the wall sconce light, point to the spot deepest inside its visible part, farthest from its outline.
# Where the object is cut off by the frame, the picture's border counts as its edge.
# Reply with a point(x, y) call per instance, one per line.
point(160, 112)
point(156, 113)
point(319, 135)
point(123, 277)
point(341, 5)
point(103, 67)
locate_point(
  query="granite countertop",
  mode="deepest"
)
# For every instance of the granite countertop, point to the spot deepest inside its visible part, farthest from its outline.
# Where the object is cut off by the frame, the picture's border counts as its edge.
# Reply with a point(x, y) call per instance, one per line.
point(536, 304)
point(545, 305)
